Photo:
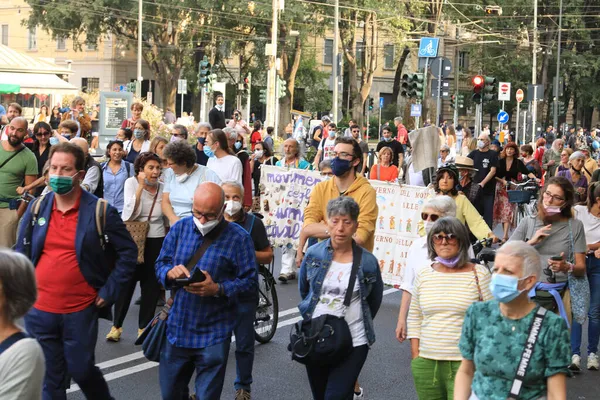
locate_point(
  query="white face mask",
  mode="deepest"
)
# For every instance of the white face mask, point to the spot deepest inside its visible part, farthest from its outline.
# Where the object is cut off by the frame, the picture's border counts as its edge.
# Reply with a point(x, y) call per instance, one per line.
point(259, 153)
point(428, 225)
point(207, 227)
point(181, 178)
point(232, 207)
point(480, 144)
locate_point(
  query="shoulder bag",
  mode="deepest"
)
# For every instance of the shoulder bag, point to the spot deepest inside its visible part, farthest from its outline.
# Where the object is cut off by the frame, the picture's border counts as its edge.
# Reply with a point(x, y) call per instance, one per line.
point(524, 361)
point(579, 287)
point(139, 231)
point(325, 340)
point(154, 335)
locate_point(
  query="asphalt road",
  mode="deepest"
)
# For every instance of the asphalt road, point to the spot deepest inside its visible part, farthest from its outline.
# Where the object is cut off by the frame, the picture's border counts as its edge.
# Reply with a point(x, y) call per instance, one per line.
point(386, 374)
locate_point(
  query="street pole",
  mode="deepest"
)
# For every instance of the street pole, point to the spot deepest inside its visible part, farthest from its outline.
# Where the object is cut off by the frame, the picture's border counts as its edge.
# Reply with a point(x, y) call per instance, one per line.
point(249, 103)
point(138, 86)
point(517, 128)
point(438, 106)
point(534, 71)
point(557, 79)
point(380, 120)
point(272, 75)
point(500, 123)
point(181, 115)
point(203, 96)
point(335, 65)
point(456, 80)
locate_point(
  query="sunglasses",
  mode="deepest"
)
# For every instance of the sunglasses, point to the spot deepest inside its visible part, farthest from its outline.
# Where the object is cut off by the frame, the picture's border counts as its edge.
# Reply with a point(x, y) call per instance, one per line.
point(430, 217)
point(550, 274)
point(450, 238)
point(40, 134)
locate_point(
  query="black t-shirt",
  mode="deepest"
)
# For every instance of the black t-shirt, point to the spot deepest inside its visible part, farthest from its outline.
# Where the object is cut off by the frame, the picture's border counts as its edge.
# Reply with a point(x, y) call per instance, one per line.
point(396, 147)
point(516, 167)
point(318, 130)
point(484, 161)
point(201, 158)
point(256, 172)
point(258, 233)
point(364, 147)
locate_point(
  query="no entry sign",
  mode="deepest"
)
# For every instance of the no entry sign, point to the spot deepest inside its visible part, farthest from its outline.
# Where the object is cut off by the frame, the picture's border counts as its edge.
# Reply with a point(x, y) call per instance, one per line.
point(520, 95)
point(504, 91)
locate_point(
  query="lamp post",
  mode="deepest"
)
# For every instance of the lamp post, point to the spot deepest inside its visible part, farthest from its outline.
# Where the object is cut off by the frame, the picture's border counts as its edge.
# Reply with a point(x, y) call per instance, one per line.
point(138, 86)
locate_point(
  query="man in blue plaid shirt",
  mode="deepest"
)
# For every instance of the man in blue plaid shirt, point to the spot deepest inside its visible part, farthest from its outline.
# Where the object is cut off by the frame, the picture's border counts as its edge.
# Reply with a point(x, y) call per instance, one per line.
point(203, 314)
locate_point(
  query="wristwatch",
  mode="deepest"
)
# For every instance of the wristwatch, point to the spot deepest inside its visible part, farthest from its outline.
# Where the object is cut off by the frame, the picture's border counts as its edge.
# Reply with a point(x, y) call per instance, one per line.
point(220, 291)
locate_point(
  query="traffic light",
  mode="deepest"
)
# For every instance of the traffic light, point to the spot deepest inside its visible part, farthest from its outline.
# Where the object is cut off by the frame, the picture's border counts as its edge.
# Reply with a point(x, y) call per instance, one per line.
point(461, 100)
point(490, 89)
point(131, 86)
point(412, 85)
point(406, 85)
point(204, 72)
point(478, 83)
point(246, 84)
point(453, 102)
point(281, 89)
point(262, 97)
point(370, 104)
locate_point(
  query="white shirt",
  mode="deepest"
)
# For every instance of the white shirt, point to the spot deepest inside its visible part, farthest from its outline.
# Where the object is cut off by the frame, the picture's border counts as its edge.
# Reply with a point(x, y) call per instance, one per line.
point(327, 146)
point(22, 371)
point(157, 225)
point(331, 301)
point(228, 168)
point(415, 178)
point(591, 224)
point(417, 259)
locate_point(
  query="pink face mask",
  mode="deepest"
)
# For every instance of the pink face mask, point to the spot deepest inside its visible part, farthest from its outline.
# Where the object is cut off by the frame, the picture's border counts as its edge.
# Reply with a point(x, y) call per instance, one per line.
point(552, 210)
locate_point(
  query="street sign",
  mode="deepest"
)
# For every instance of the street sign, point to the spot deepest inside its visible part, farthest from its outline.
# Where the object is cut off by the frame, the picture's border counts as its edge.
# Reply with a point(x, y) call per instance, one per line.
point(415, 110)
point(539, 92)
point(181, 86)
point(446, 67)
point(503, 117)
point(428, 47)
point(445, 91)
point(381, 102)
point(520, 95)
point(504, 91)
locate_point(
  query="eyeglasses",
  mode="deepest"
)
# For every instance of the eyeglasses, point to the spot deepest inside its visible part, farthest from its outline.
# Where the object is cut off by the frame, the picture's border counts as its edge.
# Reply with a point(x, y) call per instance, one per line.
point(429, 217)
point(342, 154)
point(450, 239)
point(207, 216)
point(550, 274)
point(553, 196)
point(40, 134)
point(178, 134)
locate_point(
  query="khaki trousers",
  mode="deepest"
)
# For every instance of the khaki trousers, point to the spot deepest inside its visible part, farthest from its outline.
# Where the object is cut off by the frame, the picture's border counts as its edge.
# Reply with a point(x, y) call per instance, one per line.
point(9, 222)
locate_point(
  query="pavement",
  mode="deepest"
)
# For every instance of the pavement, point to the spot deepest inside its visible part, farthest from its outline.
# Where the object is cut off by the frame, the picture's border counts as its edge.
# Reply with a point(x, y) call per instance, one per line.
point(386, 374)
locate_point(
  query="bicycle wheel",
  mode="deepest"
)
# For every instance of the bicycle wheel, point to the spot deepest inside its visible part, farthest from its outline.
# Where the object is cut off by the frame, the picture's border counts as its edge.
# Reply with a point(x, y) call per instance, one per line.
point(267, 310)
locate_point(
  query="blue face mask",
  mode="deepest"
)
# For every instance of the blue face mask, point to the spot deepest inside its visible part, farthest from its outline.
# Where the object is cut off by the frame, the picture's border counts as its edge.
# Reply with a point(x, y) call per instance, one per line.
point(208, 151)
point(340, 167)
point(238, 145)
point(53, 141)
point(387, 139)
point(504, 288)
point(201, 140)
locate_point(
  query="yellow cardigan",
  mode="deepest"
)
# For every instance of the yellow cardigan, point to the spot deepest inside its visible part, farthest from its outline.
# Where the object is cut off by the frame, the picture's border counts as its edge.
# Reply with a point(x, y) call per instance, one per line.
point(361, 191)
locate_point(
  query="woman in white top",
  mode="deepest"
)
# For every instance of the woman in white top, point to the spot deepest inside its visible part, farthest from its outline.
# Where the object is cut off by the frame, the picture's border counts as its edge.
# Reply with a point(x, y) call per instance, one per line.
point(143, 198)
point(181, 179)
point(21, 358)
point(220, 157)
point(140, 142)
point(43, 115)
point(590, 216)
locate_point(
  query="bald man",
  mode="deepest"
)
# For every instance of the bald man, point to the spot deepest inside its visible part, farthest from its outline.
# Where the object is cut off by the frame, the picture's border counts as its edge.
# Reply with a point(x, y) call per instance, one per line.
point(17, 165)
point(204, 313)
point(92, 182)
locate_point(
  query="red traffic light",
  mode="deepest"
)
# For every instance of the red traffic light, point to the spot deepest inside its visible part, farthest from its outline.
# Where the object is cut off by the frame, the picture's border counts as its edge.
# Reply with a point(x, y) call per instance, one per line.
point(478, 80)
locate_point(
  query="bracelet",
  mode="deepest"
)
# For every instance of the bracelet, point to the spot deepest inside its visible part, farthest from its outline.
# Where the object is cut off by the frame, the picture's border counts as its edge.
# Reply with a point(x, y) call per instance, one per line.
point(327, 232)
point(571, 267)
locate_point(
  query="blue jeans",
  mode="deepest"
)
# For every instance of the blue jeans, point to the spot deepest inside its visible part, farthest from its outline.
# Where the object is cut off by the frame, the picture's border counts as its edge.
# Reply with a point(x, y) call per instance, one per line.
point(69, 344)
point(593, 274)
point(177, 364)
point(244, 343)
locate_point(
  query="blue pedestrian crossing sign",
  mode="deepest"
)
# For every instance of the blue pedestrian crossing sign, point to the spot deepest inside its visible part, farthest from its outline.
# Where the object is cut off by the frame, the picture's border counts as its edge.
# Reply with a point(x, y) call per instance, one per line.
point(503, 117)
point(428, 47)
point(415, 110)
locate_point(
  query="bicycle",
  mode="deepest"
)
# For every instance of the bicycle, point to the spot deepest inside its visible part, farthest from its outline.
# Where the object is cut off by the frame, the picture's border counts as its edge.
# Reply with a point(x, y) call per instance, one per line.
point(484, 253)
point(267, 310)
point(524, 196)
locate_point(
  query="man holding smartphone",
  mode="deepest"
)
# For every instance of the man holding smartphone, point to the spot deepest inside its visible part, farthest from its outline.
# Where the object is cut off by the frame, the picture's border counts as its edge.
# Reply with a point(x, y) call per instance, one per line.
point(204, 313)
point(239, 124)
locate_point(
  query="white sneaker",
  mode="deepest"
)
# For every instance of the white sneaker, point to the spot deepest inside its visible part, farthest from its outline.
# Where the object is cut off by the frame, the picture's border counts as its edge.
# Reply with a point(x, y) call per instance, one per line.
point(359, 396)
point(592, 362)
point(575, 363)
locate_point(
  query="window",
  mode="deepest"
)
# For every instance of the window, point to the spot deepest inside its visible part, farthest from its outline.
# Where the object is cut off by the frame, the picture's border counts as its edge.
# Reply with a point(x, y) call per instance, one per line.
point(89, 85)
point(61, 43)
point(328, 53)
point(463, 60)
point(388, 56)
point(360, 54)
point(32, 39)
point(4, 34)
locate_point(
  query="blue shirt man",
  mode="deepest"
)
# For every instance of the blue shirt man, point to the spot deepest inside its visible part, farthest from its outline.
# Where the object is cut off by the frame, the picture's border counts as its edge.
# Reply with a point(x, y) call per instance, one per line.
point(203, 314)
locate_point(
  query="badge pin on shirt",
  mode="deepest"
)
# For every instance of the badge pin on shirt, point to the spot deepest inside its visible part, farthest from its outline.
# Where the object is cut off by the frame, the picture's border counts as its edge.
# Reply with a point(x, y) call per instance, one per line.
point(42, 221)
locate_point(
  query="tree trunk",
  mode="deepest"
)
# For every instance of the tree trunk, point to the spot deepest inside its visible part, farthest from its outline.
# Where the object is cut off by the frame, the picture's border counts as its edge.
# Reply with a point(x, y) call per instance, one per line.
point(290, 70)
point(398, 74)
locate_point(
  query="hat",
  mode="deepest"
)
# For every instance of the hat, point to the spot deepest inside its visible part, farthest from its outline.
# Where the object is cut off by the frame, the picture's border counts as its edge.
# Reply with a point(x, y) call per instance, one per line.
point(583, 147)
point(463, 162)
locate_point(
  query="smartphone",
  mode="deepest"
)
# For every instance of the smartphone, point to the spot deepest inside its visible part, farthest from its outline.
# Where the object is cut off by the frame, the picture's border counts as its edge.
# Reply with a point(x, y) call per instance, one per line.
point(556, 258)
point(197, 276)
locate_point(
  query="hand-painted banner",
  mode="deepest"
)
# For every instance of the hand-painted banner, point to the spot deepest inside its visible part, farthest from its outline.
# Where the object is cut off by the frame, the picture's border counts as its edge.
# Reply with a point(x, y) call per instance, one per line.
point(284, 193)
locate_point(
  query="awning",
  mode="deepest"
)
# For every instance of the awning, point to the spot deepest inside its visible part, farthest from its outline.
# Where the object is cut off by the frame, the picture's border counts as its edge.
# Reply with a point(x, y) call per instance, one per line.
point(28, 83)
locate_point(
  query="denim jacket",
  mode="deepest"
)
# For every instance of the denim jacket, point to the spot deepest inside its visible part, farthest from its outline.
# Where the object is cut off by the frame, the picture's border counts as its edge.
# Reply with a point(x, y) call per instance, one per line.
point(313, 271)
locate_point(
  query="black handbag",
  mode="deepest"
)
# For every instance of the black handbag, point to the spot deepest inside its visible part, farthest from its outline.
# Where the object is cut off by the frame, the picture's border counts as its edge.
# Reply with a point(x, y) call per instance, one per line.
point(325, 340)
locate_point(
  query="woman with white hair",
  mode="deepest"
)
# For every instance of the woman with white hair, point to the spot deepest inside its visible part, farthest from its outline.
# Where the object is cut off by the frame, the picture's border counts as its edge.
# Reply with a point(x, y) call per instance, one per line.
point(497, 337)
point(445, 156)
point(21, 358)
point(575, 175)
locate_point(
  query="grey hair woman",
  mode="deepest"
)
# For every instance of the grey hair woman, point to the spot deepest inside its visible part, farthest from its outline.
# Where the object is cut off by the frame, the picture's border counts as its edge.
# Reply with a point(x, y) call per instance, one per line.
point(323, 282)
point(441, 296)
point(575, 175)
point(435, 208)
point(21, 358)
point(495, 334)
point(181, 179)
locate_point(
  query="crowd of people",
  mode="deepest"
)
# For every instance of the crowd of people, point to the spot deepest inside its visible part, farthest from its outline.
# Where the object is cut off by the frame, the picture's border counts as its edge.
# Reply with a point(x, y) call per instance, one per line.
point(165, 211)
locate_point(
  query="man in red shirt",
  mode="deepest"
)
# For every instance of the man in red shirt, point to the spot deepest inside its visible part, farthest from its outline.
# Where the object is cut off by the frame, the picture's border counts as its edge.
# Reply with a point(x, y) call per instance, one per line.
point(75, 283)
point(402, 133)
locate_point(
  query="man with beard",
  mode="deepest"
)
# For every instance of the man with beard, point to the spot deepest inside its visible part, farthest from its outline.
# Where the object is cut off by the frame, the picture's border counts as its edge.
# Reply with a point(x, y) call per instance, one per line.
point(14, 111)
point(18, 167)
point(551, 159)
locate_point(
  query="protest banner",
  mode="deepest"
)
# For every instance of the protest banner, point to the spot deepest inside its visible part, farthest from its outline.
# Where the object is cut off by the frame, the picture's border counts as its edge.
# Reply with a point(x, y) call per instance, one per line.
point(284, 194)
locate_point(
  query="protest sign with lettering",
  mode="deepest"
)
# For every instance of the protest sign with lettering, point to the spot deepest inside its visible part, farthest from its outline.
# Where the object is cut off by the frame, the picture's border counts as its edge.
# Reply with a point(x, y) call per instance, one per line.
point(284, 194)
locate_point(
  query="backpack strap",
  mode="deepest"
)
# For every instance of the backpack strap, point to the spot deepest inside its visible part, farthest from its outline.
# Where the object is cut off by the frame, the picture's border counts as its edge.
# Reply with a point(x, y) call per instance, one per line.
point(249, 222)
point(101, 206)
point(9, 341)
